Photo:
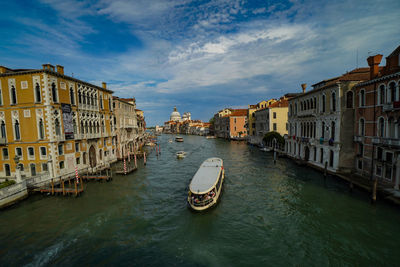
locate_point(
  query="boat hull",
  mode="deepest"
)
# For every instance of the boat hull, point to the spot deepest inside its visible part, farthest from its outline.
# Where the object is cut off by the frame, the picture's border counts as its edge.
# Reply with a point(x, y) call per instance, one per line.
point(211, 203)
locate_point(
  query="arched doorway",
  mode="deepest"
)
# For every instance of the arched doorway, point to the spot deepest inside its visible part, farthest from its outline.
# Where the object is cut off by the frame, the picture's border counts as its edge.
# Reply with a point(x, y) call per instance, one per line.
point(306, 153)
point(92, 157)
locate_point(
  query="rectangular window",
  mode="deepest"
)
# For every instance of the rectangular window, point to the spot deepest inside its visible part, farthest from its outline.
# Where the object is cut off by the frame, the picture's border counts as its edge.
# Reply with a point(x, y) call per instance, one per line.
point(379, 153)
point(31, 152)
point(388, 172)
point(18, 152)
point(44, 167)
point(78, 161)
point(60, 149)
point(360, 164)
point(43, 152)
point(76, 147)
point(5, 153)
point(287, 127)
point(389, 157)
point(321, 160)
point(62, 165)
point(274, 126)
point(378, 171)
point(274, 114)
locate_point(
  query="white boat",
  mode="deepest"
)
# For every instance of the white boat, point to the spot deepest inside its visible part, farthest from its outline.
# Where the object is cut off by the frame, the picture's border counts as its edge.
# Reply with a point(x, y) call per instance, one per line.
point(179, 139)
point(170, 140)
point(180, 154)
point(206, 185)
point(210, 137)
point(265, 149)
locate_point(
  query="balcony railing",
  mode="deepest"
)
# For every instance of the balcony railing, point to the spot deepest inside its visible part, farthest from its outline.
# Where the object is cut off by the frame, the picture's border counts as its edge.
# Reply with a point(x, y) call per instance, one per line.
point(386, 141)
point(391, 106)
point(358, 138)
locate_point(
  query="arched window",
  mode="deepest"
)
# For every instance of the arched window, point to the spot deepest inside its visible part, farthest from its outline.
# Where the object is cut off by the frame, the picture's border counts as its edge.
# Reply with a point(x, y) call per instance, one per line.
point(301, 105)
point(381, 127)
point(33, 169)
point(362, 98)
point(13, 95)
point(17, 130)
point(290, 110)
point(101, 102)
point(102, 127)
point(54, 92)
point(98, 127)
point(323, 103)
point(323, 130)
point(391, 128)
point(41, 129)
point(72, 96)
point(333, 130)
point(315, 129)
point(101, 154)
point(57, 126)
point(38, 93)
point(392, 92)
point(349, 99)
point(381, 94)
point(82, 128)
point(90, 127)
point(3, 130)
point(84, 157)
point(74, 124)
point(333, 102)
point(80, 97)
point(84, 98)
point(361, 129)
point(86, 128)
point(315, 102)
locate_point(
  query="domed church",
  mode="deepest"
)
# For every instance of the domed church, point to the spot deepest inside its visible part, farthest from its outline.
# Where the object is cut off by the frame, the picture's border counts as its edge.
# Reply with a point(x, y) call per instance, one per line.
point(175, 115)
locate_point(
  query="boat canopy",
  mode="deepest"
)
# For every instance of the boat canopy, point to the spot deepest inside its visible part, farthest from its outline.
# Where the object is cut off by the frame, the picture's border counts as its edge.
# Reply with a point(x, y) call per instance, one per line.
point(206, 176)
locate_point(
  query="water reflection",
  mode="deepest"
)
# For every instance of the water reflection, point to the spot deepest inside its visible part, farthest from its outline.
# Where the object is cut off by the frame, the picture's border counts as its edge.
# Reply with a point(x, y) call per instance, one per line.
point(269, 214)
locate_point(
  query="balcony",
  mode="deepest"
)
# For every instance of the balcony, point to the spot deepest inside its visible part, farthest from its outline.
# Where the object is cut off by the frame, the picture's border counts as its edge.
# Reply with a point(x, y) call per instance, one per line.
point(3, 141)
point(358, 138)
point(391, 106)
point(392, 142)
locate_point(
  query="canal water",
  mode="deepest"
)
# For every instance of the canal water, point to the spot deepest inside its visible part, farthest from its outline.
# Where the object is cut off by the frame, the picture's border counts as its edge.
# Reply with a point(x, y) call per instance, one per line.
point(276, 215)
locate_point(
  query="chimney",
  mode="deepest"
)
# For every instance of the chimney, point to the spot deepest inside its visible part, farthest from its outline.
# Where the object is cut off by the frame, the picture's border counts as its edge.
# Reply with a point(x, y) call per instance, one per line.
point(48, 66)
point(104, 85)
point(304, 86)
point(60, 69)
point(373, 63)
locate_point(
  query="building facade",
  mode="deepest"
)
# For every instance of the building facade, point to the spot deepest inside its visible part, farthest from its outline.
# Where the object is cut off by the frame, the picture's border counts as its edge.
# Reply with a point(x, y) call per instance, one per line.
point(52, 123)
point(127, 132)
point(321, 123)
point(377, 123)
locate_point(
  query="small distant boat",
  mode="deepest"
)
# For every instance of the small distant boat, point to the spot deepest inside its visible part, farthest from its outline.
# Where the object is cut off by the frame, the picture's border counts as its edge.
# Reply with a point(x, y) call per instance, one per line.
point(178, 139)
point(206, 185)
point(170, 141)
point(180, 154)
point(150, 144)
point(210, 137)
point(265, 149)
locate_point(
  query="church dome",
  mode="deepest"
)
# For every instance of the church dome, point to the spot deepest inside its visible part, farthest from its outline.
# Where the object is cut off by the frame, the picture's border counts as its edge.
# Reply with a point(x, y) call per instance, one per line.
point(175, 115)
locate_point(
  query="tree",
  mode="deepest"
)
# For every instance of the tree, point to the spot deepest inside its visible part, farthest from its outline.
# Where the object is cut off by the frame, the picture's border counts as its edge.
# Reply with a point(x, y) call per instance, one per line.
point(269, 137)
point(212, 121)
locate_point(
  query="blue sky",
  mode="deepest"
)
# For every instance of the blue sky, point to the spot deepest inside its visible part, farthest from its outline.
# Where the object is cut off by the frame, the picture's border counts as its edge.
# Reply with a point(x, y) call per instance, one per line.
point(200, 56)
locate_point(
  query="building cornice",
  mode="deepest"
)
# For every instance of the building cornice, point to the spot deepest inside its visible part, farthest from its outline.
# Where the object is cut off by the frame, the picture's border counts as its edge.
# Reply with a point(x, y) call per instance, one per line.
point(54, 73)
point(378, 79)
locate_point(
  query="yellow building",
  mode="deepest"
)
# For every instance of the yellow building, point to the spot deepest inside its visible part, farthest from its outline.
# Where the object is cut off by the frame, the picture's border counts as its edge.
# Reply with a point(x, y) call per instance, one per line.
point(53, 123)
point(251, 119)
